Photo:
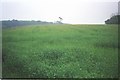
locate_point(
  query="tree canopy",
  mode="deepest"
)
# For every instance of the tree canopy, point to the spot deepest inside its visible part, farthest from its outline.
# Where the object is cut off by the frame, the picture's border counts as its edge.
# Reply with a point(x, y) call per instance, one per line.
point(113, 20)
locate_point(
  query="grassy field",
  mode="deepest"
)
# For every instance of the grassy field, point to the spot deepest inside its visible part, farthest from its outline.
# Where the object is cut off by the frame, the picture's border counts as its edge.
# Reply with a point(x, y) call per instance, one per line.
point(60, 51)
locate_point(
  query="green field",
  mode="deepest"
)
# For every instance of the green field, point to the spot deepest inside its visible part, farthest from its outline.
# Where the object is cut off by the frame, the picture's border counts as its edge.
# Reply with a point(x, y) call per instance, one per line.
point(60, 51)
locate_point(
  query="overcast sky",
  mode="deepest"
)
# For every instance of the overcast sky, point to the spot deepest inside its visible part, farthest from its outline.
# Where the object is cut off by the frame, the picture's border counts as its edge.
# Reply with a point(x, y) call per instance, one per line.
point(72, 11)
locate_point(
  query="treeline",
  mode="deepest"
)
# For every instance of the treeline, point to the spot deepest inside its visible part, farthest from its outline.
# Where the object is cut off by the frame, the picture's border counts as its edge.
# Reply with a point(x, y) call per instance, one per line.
point(15, 23)
point(113, 20)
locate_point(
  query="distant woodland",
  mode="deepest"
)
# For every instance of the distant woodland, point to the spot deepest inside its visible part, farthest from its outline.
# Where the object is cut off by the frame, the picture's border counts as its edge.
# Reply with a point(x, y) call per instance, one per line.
point(16, 23)
point(115, 19)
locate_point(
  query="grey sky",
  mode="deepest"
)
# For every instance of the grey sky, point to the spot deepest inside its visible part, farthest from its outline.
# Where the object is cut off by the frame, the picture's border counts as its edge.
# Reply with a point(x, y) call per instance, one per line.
point(72, 11)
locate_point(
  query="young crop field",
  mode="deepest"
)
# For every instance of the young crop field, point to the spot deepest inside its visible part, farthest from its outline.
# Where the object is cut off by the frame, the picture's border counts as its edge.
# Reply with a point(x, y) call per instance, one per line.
point(60, 51)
